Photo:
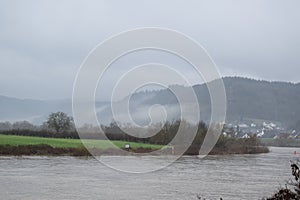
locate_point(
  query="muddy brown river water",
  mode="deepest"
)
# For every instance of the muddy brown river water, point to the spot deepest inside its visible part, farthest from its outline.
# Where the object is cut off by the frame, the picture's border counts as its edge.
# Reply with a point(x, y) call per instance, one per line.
point(232, 177)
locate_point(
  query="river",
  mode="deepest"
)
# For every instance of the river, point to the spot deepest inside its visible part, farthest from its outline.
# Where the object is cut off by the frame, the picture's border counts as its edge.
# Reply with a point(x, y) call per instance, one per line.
point(232, 177)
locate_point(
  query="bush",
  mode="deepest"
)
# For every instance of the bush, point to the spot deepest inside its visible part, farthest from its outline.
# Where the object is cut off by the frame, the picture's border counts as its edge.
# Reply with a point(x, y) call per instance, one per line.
point(292, 189)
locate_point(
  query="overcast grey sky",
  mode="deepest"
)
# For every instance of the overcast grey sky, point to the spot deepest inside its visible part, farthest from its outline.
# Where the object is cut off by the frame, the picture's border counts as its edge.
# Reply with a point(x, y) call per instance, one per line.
point(42, 43)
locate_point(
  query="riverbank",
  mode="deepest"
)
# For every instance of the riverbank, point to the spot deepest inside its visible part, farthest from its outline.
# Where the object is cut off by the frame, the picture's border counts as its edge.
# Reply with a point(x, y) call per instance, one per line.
point(280, 142)
point(26, 145)
point(47, 150)
point(29, 145)
point(231, 149)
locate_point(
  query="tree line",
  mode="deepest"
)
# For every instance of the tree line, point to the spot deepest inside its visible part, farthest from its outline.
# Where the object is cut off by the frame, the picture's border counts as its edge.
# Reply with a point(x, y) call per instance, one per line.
point(60, 125)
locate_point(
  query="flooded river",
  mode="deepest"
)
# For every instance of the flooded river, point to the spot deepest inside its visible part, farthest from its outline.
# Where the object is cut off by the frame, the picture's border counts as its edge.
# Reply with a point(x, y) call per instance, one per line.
point(232, 177)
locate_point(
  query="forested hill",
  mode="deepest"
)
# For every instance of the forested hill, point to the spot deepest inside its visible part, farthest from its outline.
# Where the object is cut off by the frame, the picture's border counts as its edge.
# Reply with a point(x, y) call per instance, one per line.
point(277, 101)
point(246, 98)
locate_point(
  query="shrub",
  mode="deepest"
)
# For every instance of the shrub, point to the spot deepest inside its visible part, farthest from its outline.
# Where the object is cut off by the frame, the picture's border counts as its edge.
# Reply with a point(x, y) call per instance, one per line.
point(292, 188)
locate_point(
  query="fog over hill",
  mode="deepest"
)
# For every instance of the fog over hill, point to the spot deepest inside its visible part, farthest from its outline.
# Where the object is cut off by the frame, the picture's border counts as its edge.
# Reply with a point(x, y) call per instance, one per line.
point(247, 99)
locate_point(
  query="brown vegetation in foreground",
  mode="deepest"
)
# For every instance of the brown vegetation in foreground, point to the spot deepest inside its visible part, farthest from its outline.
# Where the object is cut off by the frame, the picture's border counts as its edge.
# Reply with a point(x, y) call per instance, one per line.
point(47, 150)
point(292, 188)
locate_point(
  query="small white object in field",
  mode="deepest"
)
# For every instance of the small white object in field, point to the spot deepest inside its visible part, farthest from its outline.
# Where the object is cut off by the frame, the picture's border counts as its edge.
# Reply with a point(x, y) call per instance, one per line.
point(127, 146)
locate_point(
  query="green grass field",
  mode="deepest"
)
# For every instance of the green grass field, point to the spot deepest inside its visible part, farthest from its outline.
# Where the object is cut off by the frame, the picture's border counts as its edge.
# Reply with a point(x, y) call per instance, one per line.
point(69, 143)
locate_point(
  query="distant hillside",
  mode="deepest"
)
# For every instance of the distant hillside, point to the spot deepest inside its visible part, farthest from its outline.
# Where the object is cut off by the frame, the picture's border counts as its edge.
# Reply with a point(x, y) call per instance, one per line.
point(246, 99)
point(35, 111)
point(277, 101)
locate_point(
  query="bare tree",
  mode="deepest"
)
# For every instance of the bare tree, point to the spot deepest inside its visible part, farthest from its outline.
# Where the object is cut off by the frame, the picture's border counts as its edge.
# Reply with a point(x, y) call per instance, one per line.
point(23, 125)
point(4, 126)
point(59, 121)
